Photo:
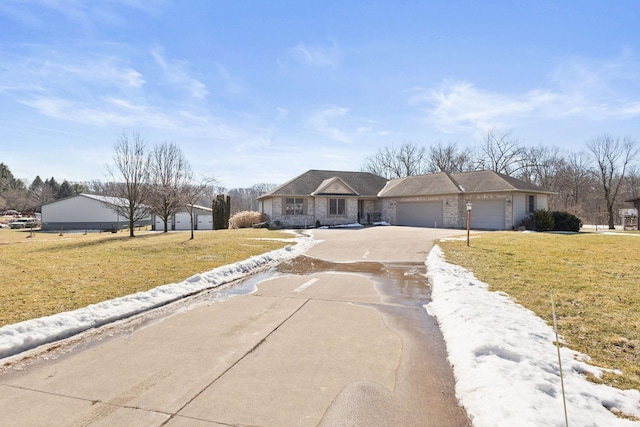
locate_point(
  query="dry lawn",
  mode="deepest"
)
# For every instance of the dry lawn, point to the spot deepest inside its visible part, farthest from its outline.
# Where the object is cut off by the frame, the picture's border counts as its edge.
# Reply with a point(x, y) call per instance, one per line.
point(47, 273)
point(595, 279)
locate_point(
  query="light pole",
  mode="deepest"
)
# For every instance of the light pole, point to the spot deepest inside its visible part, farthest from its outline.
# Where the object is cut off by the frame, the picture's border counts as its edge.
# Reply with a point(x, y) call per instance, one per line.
point(469, 206)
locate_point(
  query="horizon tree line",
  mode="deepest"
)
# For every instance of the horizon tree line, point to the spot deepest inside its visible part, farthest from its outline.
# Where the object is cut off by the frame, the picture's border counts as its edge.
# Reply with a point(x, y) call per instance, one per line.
point(592, 183)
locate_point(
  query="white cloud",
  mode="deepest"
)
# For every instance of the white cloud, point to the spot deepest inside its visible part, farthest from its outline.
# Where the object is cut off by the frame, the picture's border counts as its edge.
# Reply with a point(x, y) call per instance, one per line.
point(176, 73)
point(320, 121)
point(86, 13)
point(317, 56)
point(339, 125)
point(281, 113)
point(457, 105)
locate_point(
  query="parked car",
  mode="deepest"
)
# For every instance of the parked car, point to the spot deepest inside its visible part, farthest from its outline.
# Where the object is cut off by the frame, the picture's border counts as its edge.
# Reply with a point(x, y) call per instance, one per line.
point(25, 223)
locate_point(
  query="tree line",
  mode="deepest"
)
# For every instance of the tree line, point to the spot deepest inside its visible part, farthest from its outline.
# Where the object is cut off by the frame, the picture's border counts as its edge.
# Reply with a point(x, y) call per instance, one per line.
point(592, 183)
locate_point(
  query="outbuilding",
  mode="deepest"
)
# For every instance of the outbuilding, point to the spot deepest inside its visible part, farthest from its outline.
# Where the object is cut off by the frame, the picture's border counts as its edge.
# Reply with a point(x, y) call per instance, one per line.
point(85, 212)
point(203, 217)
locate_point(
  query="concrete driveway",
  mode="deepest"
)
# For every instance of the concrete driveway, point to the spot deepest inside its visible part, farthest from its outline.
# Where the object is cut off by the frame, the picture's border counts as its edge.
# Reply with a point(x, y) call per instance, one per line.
point(336, 337)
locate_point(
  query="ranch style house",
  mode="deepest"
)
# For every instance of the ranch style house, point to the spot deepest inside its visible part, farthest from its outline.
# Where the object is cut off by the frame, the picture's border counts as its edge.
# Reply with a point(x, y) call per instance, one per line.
point(498, 201)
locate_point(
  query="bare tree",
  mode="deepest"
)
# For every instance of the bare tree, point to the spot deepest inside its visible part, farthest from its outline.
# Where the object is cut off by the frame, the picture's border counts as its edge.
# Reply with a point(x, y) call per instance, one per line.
point(501, 152)
point(633, 183)
point(245, 199)
point(448, 158)
point(130, 176)
point(170, 173)
point(397, 162)
point(193, 193)
point(541, 166)
point(612, 156)
point(574, 180)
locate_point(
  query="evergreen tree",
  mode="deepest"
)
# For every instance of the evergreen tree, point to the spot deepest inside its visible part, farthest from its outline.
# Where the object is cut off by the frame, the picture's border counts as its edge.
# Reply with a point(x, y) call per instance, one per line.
point(221, 212)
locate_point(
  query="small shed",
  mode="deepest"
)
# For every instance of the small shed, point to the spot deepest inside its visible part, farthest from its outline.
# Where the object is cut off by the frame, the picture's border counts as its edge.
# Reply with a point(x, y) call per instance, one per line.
point(84, 212)
point(636, 206)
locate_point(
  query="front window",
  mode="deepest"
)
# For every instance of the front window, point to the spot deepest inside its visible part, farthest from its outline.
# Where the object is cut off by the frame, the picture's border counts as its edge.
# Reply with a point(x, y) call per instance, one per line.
point(532, 203)
point(337, 207)
point(294, 206)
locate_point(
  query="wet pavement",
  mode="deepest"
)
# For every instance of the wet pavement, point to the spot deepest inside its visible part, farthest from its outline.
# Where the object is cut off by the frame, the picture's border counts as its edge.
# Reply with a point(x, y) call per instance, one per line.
point(338, 337)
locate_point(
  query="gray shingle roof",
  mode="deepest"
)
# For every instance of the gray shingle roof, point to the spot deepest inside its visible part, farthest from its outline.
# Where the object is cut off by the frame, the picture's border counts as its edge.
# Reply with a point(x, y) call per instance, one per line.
point(488, 181)
point(364, 184)
point(484, 181)
point(420, 185)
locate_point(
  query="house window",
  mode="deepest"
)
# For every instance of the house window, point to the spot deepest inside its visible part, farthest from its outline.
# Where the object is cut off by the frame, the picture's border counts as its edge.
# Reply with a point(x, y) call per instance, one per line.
point(337, 207)
point(294, 206)
point(532, 203)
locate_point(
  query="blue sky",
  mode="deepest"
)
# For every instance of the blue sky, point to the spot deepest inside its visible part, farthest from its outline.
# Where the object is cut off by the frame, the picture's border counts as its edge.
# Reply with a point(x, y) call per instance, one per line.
point(261, 91)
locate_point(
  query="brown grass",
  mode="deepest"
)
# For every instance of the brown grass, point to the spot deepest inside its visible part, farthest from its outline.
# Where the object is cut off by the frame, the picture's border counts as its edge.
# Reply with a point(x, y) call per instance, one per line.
point(595, 279)
point(48, 273)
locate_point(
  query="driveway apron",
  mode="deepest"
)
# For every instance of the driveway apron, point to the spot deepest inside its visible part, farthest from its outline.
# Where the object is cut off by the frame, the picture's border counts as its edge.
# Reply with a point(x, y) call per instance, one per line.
point(336, 337)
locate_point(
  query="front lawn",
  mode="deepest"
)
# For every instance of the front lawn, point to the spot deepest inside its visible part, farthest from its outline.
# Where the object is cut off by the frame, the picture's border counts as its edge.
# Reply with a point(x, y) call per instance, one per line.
point(47, 273)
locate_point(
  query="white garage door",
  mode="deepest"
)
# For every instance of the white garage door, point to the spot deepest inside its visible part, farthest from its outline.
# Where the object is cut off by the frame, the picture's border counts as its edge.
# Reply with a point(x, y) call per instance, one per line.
point(488, 214)
point(205, 222)
point(160, 224)
point(420, 214)
point(183, 221)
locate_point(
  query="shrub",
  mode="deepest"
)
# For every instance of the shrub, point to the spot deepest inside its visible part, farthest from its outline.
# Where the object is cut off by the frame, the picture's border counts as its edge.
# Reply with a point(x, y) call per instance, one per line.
point(527, 223)
point(564, 221)
point(539, 220)
point(246, 219)
point(543, 219)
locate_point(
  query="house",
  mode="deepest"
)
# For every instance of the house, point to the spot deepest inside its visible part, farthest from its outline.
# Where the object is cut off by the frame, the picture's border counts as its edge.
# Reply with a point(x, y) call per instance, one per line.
point(327, 197)
point(84, 212)
point(202, 215)
point(498, 202)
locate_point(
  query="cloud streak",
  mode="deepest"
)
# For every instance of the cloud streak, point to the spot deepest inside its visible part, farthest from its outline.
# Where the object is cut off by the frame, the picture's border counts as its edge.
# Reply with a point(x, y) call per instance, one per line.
point(317, 55)
point(458, 106)
point(177, 74)
point(324, 122)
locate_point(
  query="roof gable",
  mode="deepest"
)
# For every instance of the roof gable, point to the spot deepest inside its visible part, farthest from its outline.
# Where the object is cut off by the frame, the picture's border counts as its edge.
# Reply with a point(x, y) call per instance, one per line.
point(334, 186)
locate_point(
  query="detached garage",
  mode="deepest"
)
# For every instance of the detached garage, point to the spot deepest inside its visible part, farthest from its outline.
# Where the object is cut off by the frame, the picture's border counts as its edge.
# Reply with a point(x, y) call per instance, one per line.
point(203, 218)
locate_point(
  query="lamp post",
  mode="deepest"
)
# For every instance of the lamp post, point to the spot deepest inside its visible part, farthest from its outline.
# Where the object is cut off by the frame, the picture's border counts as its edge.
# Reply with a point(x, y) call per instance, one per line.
point(469, 206)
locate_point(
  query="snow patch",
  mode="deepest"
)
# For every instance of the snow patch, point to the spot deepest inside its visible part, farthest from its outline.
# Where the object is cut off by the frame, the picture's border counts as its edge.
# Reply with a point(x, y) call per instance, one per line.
point(505, 361)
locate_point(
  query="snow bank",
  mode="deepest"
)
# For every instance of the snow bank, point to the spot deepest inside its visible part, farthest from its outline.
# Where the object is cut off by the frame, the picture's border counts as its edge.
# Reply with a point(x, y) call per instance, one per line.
point(505, 362)
point(29, 334)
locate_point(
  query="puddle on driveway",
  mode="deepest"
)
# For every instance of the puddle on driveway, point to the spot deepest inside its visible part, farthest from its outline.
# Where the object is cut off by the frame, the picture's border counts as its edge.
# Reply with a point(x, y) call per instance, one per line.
point(396, 283)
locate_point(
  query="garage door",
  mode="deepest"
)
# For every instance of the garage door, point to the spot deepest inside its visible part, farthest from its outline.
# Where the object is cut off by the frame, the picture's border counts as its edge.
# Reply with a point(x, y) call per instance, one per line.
point(160, 224)
point(183, 221)
point(488, 214)
point(205, 222)
point(420, 214)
